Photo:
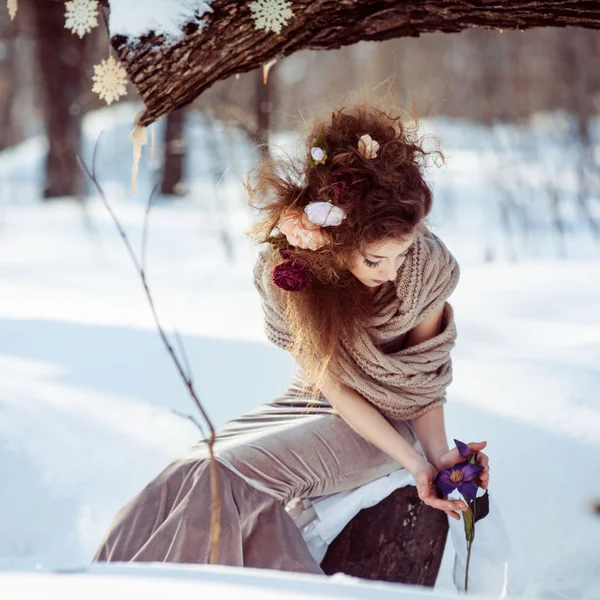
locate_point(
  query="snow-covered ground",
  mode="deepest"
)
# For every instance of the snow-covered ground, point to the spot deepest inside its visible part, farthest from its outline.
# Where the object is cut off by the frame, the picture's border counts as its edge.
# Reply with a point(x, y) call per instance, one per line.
point(87, 389)
point(189, 582)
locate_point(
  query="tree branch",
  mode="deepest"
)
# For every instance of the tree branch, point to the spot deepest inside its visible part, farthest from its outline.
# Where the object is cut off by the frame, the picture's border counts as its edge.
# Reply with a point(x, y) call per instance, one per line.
point(225, 41)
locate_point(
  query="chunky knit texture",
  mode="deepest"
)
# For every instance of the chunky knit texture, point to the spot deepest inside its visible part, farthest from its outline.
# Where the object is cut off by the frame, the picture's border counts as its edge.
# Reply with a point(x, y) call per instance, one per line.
point(409, 382)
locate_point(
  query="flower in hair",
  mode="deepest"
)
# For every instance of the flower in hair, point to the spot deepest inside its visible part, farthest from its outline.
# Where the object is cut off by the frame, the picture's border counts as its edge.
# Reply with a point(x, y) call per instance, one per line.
point(325, 214)
point(300, 231)
point(367, 146)
point(292, 275)
point(318, 156)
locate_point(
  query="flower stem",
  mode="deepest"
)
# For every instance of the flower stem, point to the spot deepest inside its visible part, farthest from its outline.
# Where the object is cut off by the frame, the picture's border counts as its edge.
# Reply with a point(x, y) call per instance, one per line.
point(467, 569)
point(469, 545)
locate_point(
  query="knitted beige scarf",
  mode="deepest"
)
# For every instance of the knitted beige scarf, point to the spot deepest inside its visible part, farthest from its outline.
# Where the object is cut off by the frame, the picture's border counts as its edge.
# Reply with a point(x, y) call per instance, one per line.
point(402, 384)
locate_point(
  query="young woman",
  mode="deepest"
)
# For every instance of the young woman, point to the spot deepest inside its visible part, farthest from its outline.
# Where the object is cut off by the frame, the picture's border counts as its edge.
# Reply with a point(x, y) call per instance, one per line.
point(355, 287)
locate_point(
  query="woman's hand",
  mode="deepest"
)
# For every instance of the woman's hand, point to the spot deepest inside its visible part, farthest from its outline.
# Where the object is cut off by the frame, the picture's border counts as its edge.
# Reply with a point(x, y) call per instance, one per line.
point(424, 474)
point(452, 457)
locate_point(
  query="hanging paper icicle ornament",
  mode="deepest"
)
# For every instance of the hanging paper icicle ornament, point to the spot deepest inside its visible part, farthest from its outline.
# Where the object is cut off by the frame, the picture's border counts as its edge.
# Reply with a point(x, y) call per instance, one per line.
point(110, 80)
point(271, 15)
point(267, 68)
point(81, 16)
point(12, 8)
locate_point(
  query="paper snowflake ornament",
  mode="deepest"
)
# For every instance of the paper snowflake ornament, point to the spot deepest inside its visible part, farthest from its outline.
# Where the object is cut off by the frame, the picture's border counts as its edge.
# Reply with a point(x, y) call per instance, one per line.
point(110, 80)
point(271, 15)
point(81, 16)
point(12, 8)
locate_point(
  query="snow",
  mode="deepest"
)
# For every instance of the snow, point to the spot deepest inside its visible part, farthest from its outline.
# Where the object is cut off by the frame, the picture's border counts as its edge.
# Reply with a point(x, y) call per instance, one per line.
point(87, 390)
point(135, 18)
point(184, 582)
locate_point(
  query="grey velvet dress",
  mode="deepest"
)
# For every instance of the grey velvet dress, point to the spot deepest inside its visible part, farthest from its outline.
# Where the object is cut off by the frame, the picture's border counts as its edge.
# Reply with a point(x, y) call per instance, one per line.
point(283, 449)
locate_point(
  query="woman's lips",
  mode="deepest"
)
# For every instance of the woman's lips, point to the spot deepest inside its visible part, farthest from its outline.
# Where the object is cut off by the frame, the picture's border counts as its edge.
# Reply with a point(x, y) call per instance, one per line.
point(378, 281)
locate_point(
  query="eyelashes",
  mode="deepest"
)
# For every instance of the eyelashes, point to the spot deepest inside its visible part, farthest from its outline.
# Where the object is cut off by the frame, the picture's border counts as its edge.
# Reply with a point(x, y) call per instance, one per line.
point(372, 264)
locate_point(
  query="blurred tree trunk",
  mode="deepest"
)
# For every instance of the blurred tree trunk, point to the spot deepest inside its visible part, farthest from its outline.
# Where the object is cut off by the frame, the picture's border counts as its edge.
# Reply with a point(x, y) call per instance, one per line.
point(9, 133)
point(62, 80)
point(265, 95)
point(174, 154)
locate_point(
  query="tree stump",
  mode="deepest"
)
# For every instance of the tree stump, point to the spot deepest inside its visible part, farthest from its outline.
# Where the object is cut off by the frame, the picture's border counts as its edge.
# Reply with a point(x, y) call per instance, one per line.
point(400, 540)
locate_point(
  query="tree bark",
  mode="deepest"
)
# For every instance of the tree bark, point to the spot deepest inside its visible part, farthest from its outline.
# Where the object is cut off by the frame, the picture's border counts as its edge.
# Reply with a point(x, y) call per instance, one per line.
point(225, 41)
point(400, 540)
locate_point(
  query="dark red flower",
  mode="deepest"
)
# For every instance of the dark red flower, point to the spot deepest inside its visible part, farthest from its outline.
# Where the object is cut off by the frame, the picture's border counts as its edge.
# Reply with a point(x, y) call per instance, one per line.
point(292, 275)
point(338, 189)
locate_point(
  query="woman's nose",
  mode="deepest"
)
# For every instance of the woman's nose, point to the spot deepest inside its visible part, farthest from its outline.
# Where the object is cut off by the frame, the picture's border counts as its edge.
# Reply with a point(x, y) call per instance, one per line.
point(389, 274)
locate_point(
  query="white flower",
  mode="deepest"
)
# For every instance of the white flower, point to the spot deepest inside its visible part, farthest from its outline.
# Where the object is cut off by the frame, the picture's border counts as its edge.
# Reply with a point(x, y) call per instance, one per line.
point(317, 153)
point(271, 15)
point(82, 16)
point(110, 80)
point(12, 8)
point(367, 146)
point(324, 213)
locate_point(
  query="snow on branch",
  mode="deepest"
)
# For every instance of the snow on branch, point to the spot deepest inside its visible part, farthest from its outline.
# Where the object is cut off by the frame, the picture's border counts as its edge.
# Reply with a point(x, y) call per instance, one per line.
point(135, 19)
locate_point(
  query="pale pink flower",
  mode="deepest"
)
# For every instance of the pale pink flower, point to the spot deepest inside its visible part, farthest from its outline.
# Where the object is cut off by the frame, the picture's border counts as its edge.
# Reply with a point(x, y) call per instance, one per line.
point(324, 213)
point(367, 146)
point(300, 231)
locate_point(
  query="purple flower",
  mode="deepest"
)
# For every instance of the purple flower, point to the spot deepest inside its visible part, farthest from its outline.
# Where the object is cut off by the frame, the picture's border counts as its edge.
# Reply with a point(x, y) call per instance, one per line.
point(292, 275)
point(463, 449)
point(461, 476)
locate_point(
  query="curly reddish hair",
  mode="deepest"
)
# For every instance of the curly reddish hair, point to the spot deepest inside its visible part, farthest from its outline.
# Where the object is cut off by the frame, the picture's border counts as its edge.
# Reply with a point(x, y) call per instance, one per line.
point(385, 198)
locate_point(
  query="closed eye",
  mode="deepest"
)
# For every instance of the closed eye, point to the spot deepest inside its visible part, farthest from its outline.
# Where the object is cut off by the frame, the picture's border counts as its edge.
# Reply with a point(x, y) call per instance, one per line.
point(369, 263)
point(372, 264)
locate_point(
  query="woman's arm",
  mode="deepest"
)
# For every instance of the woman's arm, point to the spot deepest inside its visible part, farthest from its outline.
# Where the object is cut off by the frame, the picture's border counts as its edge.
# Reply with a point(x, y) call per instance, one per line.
point(429, 427)
point(368, 422)
point(432, 434)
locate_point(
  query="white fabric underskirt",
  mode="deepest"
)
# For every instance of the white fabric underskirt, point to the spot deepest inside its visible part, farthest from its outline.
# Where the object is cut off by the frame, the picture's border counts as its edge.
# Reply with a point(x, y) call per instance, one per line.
point(321, 519)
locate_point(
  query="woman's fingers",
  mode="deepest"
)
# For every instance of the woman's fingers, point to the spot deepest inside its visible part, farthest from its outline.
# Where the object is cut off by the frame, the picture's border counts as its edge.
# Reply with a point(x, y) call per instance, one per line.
point(445, 504)
point(476, 446)
point(451, 513)
point(483, 459)
point(484, 476)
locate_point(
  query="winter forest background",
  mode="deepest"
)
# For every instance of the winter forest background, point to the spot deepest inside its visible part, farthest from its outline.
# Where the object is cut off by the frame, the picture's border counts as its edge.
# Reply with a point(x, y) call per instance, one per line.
point(87, 391)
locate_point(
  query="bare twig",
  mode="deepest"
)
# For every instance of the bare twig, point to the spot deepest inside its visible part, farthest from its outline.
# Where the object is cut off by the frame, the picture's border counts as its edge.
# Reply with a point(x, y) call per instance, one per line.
point(215, 524)
point(146, 221)
point(189, 418)
point(183, 355)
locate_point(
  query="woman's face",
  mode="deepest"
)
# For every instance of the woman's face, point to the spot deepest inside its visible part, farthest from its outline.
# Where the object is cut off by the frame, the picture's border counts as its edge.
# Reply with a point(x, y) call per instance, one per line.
point(380, 262)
